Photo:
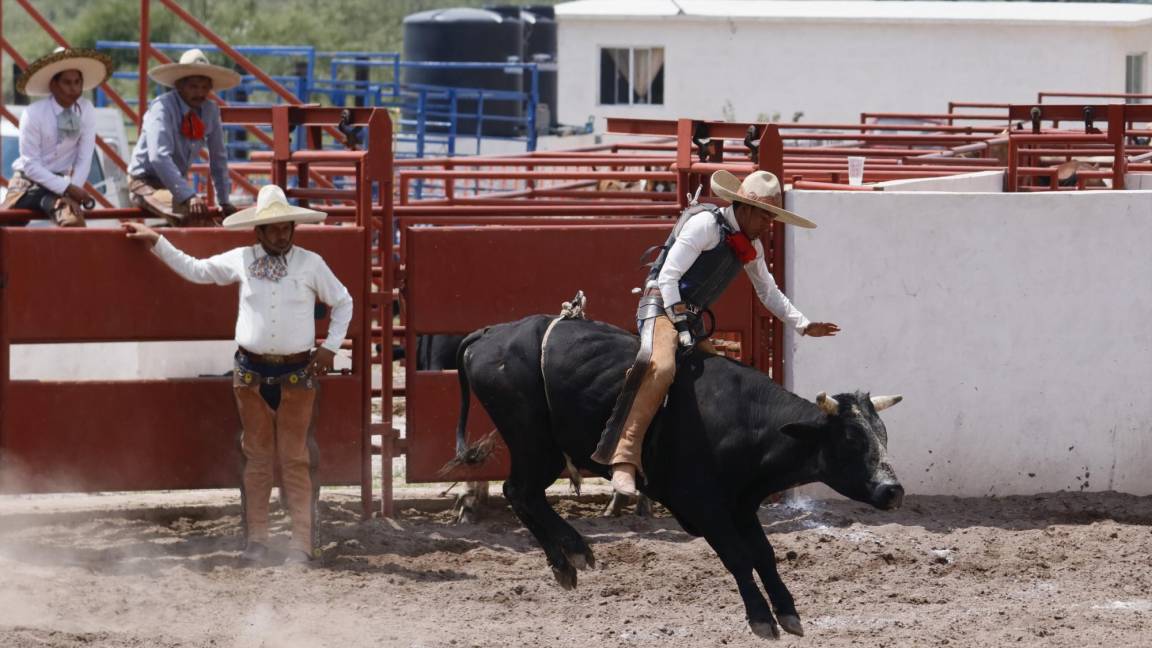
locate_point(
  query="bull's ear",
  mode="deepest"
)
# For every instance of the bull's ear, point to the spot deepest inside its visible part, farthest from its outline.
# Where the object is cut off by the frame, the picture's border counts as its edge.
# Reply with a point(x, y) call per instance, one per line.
point(882, 403)
point(827, 404)
point(803, 431)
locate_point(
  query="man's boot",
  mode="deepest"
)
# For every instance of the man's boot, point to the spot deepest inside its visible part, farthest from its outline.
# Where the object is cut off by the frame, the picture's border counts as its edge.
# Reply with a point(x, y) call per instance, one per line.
point(624, 479)
point(68, 213)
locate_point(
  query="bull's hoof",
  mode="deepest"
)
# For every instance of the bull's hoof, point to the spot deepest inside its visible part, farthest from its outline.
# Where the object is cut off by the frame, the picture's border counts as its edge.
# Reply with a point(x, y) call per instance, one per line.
point(765, 629)
point(615, 506)
point(643, 507)
point(582, 561)
point(566, 577)
point(791, 624)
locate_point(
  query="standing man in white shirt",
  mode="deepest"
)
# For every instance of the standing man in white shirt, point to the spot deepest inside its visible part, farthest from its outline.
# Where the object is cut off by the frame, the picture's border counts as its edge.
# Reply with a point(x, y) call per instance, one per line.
point(276, 373)
point(57, 135)
point(707, 249)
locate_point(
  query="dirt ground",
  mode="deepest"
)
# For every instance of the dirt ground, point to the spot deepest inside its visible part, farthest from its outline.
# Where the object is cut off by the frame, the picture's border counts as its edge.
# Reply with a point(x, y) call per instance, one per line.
point(1055, 570)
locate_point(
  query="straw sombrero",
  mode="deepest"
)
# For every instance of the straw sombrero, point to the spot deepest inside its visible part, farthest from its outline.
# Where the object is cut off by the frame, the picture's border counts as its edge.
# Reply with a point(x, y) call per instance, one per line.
point(272, 207)
point(756, 190)
point(194, 63)
point(95, 67)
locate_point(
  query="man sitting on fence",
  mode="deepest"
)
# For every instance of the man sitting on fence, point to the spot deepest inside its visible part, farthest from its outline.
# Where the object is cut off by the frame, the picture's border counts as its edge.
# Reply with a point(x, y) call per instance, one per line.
point(57, 136)
point(176, 127)
point(275, 380)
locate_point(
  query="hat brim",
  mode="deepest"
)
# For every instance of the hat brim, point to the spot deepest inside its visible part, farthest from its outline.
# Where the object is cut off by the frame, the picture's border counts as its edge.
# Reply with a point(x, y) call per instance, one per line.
point(94, 66)
point(169, 73)
point(727, 186)
point(272, 214)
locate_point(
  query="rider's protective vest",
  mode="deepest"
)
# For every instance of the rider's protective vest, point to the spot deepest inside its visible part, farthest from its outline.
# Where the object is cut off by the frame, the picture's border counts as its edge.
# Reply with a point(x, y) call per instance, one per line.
point(710, 274)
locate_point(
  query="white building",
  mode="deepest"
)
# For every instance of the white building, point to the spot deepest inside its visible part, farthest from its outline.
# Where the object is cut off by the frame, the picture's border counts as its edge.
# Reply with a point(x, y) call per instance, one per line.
point(831, 60)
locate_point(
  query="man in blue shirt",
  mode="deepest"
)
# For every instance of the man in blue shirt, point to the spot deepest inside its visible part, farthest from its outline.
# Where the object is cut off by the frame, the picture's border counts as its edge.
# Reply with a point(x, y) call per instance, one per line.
point(176, 127)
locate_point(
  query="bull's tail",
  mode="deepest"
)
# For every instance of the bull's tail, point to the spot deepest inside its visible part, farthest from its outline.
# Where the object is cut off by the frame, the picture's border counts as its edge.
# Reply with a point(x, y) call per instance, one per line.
point(465, 454)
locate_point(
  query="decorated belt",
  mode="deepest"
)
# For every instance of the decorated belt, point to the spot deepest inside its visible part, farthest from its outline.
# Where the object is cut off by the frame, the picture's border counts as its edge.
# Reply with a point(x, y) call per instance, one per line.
point(274, 359)
point(301, 378)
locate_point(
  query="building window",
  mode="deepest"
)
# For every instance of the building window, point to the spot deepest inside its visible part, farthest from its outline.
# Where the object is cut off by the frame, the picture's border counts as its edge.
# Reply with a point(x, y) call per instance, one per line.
point(1134, 73)
point(631, 75)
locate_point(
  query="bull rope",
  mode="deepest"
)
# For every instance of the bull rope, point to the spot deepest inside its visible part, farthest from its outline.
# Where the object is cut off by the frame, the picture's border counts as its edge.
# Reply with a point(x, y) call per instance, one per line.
point(574, 309)
point(568, 310)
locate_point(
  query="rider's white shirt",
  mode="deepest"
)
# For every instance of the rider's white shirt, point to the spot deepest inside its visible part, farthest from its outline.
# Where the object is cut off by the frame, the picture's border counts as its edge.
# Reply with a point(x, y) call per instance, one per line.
point(701, 233)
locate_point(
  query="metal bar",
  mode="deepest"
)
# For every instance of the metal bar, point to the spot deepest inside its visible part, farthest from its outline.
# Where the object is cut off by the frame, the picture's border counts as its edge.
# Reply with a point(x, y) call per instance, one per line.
point(529, 210)
point(941, 116)
point(322, 194)
point(831, 186)
point(931, 128)
point(10, 118)
point(1116, 134)
point(539, 175)
point(770, 157)
point(5, 339)
point(145, 48)
point(364, 222)
point(380, 168)
point(16, 58)
point(1053, 138)
point(451, 219)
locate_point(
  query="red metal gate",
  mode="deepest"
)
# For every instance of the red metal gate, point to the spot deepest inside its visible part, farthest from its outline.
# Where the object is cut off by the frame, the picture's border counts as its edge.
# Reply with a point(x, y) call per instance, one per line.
point(95, 286)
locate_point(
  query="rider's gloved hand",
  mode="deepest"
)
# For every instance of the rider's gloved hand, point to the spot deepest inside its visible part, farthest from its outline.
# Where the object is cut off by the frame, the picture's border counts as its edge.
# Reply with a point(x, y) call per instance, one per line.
point(682, 320)
point(685, 337)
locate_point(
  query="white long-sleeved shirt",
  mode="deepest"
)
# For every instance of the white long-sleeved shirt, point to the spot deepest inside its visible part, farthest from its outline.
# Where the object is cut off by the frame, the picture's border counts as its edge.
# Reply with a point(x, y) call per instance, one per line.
point(46, 158)
point(275, 317)
point(700, 234)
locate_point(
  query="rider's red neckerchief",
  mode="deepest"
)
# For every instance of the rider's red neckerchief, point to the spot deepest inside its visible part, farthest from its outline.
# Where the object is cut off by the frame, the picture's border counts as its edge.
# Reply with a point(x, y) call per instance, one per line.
point(739, 243)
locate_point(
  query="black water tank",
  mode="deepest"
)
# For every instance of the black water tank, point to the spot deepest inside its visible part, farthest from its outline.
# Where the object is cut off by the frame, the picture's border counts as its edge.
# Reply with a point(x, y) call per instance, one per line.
point(540, 48)
point(469, 35)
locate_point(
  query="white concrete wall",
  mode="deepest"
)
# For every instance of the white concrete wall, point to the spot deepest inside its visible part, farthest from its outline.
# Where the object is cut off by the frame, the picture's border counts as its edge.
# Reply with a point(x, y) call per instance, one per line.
point(120, 360)
point(129, 360)
point(1015, 325)
point(833, 71)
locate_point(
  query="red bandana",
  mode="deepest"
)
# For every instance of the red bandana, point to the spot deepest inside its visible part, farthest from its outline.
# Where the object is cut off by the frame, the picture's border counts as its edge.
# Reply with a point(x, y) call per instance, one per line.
point(192, 127)
point(741, 246)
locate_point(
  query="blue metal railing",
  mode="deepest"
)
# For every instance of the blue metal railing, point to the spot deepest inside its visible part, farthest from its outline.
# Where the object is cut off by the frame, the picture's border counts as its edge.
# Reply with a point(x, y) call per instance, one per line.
point(393, 92)
point(429, 117)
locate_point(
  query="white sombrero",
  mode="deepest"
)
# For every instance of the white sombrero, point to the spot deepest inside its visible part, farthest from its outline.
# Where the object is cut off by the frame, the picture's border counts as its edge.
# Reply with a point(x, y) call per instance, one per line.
point(756, 190)
point(272, 207)
point(194, 63)
point(94, 66)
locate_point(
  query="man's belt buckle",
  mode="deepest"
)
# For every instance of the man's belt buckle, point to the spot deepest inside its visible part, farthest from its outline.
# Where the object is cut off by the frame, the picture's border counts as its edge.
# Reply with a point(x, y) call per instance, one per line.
point(273, 358)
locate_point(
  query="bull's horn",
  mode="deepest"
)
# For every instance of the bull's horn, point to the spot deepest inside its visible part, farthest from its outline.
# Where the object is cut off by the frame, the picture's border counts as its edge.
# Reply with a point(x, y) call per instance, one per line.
point(882, 403)
point(827, 404)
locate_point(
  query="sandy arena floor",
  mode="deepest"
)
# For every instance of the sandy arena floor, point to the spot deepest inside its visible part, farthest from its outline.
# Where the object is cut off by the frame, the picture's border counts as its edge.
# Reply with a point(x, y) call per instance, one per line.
point(1059, 570)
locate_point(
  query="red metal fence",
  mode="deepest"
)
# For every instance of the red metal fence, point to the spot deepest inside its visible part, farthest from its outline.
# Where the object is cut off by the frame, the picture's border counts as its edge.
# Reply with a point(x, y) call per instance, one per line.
point(96, 286)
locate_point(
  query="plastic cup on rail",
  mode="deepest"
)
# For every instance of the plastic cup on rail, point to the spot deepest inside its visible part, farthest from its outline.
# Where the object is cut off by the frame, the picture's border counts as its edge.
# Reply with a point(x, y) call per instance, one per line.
point(855, 170)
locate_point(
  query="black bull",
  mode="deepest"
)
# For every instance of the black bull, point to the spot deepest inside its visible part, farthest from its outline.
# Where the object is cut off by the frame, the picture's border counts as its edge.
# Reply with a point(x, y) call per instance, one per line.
point(727, 438)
